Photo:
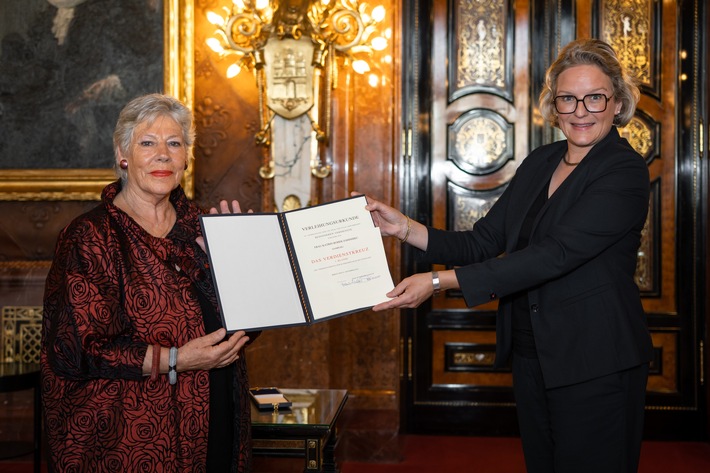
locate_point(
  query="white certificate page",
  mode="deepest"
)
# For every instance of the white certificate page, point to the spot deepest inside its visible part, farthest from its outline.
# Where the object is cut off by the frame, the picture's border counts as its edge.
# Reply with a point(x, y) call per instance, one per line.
point(255, 283)
point(341, 257)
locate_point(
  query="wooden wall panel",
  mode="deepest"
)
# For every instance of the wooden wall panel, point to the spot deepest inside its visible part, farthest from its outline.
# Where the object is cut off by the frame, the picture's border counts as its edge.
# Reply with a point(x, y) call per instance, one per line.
point(357, 352)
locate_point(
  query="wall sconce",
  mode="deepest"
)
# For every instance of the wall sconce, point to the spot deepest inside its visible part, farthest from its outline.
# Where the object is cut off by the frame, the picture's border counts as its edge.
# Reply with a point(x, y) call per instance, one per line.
point(296, 48)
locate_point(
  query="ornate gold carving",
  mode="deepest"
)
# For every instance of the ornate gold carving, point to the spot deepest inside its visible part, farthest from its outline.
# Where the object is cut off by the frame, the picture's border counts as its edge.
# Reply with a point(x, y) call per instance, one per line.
point(481, 34)
point(86, 184)
point(267, 171)
point(474, 359)
point(18, 264)
point(479, 143)
point(639, 135)
point(291, 202)
point(643, 275)
point(627, 26)
point(469, 208)
point(213, 120)
point(644, 262)
point(447, 343)
point(21, 333)
point(53, 184)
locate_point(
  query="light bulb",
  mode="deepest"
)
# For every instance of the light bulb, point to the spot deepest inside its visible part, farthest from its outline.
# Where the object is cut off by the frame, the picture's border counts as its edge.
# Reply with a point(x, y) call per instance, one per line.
point(233, 71)
point(379, 43)
point(360, 66)
point(373, 80)
point(215, 19)
point(378, 13)
point(215, 45)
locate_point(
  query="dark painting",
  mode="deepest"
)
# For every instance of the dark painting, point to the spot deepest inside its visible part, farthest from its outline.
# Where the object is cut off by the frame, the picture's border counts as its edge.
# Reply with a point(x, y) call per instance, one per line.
point(65, 73)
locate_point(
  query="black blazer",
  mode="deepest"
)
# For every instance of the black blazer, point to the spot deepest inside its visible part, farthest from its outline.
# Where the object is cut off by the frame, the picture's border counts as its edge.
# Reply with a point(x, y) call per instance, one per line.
point(578, 268)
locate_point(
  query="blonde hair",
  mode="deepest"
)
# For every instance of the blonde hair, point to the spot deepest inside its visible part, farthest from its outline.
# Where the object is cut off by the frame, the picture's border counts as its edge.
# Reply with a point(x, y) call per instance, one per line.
point(595, 52)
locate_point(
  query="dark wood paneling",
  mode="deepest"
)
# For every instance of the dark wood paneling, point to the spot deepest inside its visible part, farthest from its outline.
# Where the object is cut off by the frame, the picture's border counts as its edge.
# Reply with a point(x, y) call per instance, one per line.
point(669, 131)
point(357, 352)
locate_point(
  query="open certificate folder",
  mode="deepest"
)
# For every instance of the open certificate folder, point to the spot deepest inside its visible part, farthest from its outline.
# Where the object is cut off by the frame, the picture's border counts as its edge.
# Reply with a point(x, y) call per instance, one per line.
point(296, 267)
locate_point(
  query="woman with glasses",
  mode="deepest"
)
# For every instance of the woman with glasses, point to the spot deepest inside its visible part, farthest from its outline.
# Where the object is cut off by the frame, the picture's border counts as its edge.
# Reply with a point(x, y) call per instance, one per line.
point(558, 250)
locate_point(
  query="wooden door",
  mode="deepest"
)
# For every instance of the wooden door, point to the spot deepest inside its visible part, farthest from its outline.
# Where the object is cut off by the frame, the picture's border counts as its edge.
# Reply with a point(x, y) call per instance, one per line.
point(471, 117)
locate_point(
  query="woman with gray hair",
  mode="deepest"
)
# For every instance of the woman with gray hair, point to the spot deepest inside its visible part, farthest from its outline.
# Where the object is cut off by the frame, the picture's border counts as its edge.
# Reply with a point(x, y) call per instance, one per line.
point(558, 251)
point(138, 373)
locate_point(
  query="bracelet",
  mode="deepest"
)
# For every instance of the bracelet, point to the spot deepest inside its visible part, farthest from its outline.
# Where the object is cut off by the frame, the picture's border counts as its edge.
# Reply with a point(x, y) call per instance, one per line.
point(155, 367)
point(172, 365)
point(409, 229)
point(435, 282)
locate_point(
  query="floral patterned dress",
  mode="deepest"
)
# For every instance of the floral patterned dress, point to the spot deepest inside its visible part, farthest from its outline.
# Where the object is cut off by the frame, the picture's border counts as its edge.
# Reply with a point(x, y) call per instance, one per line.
point(112, 290)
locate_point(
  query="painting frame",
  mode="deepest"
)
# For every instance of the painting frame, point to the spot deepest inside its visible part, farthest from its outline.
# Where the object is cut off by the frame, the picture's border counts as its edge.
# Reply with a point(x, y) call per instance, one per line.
point(87, 184)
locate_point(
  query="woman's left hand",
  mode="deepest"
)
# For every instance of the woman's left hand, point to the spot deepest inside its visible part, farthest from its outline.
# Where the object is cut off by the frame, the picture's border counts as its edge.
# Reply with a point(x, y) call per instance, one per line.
point(409, 293)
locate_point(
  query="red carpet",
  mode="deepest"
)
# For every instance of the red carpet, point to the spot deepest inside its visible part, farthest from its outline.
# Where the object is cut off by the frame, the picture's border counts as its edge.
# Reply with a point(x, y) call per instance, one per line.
point(425, 454)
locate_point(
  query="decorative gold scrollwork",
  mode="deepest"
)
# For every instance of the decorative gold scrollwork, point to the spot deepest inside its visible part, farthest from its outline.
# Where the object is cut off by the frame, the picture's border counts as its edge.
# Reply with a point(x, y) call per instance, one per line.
point(628, 27)
point(474, 359)
point(291, 202)
point(267, 171)
point(481, 32)
point(480, 141)
point(320, 170)
point(640, 135)
point(469, 206)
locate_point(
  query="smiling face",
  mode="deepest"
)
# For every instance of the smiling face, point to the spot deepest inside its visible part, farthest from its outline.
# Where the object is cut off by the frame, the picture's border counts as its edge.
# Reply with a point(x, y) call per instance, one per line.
point(582, 128)
point(156, 158)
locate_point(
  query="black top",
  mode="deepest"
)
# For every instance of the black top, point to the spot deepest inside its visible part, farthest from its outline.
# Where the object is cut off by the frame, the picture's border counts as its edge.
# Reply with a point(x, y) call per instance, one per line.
point(523, 339)
point(578, 269)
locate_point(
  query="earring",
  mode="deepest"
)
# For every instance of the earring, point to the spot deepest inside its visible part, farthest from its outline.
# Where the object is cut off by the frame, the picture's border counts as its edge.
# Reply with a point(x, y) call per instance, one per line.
point(123, 164)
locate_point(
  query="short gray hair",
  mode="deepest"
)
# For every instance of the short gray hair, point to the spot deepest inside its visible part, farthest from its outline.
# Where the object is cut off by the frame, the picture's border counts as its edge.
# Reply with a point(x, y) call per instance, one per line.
point(595, 52)
point(146, 109)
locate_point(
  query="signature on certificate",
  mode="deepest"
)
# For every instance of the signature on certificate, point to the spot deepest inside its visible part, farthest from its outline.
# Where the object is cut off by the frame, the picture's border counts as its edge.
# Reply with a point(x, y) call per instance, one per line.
point(360, 279)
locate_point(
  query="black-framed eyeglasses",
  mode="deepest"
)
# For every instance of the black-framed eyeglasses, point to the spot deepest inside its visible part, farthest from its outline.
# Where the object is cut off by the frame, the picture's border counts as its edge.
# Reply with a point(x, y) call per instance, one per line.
point(594, 103)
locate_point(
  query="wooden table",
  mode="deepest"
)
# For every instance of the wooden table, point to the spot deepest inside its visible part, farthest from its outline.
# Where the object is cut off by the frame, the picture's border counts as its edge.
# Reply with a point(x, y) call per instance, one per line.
point(307, 429)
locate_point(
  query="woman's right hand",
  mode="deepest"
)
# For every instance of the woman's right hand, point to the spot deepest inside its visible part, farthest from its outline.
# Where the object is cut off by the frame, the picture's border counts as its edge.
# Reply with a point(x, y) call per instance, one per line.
point(211, 351)
point(392, 222)
point(223, 209)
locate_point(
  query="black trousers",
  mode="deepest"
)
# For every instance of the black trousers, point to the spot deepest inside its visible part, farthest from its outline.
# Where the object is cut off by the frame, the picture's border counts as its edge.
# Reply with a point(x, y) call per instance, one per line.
point(595, 426)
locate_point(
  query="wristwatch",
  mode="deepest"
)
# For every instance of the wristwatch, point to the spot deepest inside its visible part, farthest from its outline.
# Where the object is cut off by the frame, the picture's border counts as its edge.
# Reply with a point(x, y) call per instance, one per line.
point(435, 282)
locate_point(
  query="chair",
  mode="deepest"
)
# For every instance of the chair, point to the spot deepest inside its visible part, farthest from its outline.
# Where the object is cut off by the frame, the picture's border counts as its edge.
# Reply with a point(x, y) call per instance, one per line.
point(20, 338)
